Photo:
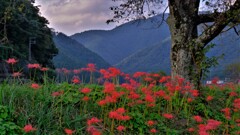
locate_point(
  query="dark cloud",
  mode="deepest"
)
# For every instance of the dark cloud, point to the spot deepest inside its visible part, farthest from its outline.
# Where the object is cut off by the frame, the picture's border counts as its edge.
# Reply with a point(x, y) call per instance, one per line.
point(72, 16)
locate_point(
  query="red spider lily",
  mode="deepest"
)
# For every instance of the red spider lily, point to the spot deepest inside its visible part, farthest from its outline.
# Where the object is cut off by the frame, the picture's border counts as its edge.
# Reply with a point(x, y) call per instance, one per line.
point(91, 67)
point(65, 71)
point(16, 74)
point(93, 131)
point(139, 74)
point(160, 93)
point(114, 71)
point(85, 90)
point(168, 116)
point(76, 80)
point(77, 71)
point(167, 97)
point(191, 130)
point(153, 130)
point(215, 80)
point(44, 69)
point(128, 86)
point(102, 102)
point(149, 98)
point(58, 93)
point(118, 115)
point(212, 124)
point(133, 95)
point(120, 110)
point(121, 128)
point(227, 113)
point(109, 87)
point(35, 86)
point(150, 123)
point(92, 121)
point(194, 93)
point(69, 131)
point(197, 118)
point(189, 100)
point(233, 94)
point(236, 103)
point(85, 98)
point(209, 98)
point(28, 128)
point(12, 61)
point(35, 65)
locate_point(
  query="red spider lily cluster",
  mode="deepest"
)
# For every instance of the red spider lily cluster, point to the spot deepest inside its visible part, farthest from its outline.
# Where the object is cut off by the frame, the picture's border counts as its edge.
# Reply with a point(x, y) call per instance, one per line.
point(142, 90)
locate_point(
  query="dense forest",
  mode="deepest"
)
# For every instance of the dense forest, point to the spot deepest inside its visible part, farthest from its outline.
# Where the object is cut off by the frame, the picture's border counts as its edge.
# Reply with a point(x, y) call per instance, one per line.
point(25, 34)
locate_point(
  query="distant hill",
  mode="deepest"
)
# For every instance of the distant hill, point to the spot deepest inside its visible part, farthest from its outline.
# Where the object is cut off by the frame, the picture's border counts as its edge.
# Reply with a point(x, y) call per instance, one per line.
point(126, 39)
point(73, 54)
point(143, 46)
point(150, 59)
point(157, 58)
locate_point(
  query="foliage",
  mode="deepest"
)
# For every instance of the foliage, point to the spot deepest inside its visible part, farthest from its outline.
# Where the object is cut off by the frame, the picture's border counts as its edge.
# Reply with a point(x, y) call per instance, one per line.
point(20, 21)
point(233, 71)
point(7, 125)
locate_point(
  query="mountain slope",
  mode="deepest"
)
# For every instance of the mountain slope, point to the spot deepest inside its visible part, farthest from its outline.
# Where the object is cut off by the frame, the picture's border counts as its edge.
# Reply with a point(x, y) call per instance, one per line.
point(72, 54)
point(156, 58)
point(119, 43)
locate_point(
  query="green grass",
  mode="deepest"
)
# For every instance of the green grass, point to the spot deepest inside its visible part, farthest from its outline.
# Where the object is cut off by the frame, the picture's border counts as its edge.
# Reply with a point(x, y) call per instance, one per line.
point(51, 115)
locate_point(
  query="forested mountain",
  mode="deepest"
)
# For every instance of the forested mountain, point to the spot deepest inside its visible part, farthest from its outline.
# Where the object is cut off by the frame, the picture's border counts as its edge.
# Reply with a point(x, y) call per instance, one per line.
point(124, 40)
point(74, 55)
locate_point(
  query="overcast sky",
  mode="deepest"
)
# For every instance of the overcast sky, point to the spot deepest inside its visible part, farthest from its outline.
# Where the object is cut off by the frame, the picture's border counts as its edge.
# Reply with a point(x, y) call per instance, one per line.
point(73, 16)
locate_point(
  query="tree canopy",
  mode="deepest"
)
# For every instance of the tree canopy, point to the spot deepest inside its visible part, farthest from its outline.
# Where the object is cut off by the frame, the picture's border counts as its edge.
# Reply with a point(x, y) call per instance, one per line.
point(21, 21)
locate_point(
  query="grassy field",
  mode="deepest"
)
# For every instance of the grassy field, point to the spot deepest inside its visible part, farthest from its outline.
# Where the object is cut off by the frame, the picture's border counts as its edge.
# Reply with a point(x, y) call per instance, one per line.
point(143, 104)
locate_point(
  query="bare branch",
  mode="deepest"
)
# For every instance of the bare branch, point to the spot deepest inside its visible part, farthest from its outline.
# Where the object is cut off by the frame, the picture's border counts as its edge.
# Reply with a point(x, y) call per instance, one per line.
point(221, 22)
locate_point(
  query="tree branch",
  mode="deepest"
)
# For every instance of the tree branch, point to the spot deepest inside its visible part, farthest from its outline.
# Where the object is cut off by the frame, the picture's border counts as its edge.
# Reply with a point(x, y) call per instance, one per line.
point(220, 23)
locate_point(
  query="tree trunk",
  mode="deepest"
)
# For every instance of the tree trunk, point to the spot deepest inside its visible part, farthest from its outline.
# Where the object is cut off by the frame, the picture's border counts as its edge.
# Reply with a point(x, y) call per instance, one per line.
point(183, 28)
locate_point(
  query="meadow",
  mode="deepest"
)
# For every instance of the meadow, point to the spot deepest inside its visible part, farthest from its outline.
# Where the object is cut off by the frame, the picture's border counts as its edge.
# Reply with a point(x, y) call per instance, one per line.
point(144, 103)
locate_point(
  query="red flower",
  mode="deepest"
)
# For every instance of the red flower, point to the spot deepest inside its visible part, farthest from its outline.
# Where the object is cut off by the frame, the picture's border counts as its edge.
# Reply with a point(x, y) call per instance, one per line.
point(153, 130)
point(76, 80)
point(150, 123)
point(121, 128)
point(195, 93)
point(29, 128)
point(11, 61)
point(16, 74)
point(69, 131)
point(191, 130)
point(160, 93)
point(236, 103)
point(149, 98)
point(209, 98)
point(197, 118)
point(91, 67)
point(92, 121)
point(212, 124)
point(121, 110)
point(85, 98)
point(168, 116)
point(30, 66)
point(189, 100)
point(227, 112)
point(56, 94)
point(35, 86)
point(44, 69)
point(86, 90)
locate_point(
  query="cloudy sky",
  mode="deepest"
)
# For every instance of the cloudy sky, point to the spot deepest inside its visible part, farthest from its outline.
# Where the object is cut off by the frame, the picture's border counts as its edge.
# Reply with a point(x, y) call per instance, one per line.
point(72, 16)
